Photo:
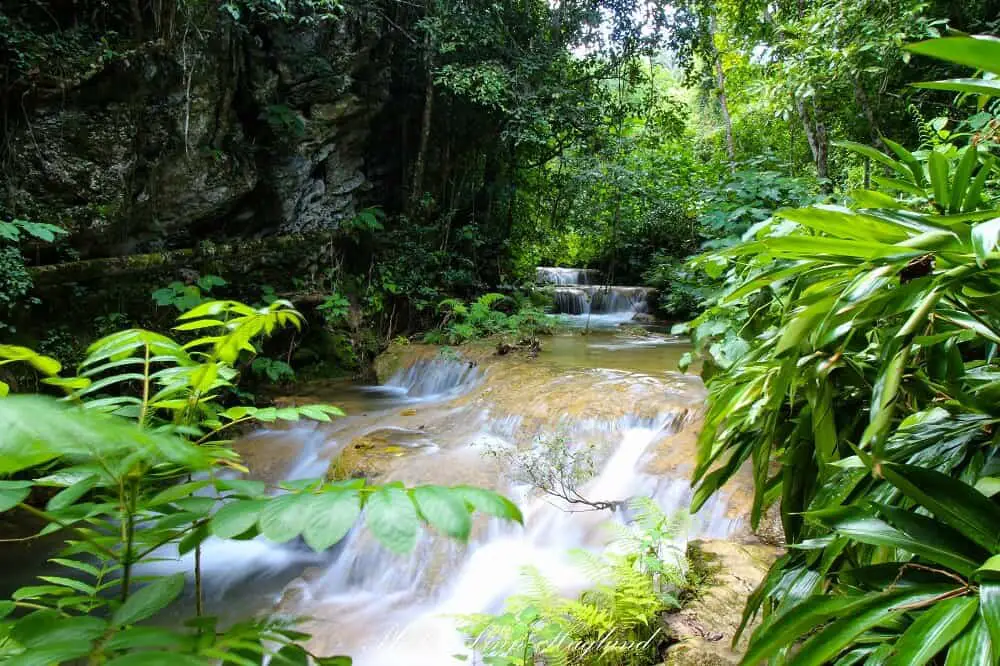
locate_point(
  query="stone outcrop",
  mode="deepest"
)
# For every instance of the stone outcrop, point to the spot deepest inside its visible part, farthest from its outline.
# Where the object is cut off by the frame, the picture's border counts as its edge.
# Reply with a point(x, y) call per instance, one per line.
point(703, 630)
point(218, 133)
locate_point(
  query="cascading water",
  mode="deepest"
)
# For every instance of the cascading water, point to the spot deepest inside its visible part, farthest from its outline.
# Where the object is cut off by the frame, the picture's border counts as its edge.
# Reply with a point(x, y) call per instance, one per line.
point(444, 418)
point(578, 295)
point(435, 378)
point(561, 276)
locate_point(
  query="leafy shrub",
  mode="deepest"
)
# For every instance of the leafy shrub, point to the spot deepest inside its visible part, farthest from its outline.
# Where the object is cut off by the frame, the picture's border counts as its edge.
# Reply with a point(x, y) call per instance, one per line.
point(132, 462)
point(482, 319)
point(15, 280)
point(183, 296)
point(863, 395)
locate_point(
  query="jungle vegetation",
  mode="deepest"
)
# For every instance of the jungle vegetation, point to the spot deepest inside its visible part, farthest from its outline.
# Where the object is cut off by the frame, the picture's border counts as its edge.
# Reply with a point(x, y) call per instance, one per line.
point(812, 184)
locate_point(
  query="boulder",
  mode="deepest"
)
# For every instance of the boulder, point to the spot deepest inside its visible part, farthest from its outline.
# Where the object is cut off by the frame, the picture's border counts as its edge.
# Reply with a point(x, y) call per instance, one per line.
point(702, 631)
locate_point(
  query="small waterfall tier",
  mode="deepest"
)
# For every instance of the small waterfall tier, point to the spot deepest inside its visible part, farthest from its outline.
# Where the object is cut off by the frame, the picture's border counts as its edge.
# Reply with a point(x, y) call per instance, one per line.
point(436, 377)
point(567, 276)
point(579, 292)
point(584, 299)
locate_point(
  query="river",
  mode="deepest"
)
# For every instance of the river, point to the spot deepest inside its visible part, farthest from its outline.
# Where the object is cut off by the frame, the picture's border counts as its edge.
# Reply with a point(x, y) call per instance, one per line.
point(442, 417)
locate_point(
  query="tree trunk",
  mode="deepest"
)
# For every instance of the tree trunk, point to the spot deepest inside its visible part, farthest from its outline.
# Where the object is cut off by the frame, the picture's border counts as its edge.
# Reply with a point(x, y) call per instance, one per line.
point(136, 19)
point(866, 107)
point(720, 84)
point(417, 184)
point(816, 135)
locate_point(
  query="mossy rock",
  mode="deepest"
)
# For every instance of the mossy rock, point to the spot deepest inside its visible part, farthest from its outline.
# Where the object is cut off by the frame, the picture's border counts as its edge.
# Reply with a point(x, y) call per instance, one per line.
point(372, 456)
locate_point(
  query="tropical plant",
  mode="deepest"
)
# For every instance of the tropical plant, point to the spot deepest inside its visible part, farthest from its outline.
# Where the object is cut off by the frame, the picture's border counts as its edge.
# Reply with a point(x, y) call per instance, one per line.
point(15, 280)
point(858, 381)
point(184, 296)
point(615, 622)
point(135, 464)
point(482, 319)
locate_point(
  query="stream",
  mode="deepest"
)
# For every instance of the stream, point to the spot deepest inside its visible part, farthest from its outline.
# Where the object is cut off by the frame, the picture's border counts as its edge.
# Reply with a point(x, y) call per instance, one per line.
point(446, 417)
point(441, 418)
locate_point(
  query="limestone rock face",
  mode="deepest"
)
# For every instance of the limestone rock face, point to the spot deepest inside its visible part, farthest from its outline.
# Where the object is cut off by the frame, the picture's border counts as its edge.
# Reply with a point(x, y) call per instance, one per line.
point(219, 133)
point(704, 629)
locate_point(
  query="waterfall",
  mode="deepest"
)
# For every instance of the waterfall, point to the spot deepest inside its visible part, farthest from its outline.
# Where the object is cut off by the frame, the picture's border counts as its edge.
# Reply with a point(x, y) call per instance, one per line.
point(436, 377)
point(578, 293)
point(565, 276)
point(416, 598)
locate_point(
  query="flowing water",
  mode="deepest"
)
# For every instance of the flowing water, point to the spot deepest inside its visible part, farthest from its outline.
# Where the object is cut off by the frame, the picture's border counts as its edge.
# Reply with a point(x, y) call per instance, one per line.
point(441, 419)
point(582, 298)
point(447, 418)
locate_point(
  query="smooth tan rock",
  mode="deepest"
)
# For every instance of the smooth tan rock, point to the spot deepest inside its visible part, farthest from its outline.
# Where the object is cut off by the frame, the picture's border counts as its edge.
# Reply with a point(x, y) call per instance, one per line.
point(704, 628)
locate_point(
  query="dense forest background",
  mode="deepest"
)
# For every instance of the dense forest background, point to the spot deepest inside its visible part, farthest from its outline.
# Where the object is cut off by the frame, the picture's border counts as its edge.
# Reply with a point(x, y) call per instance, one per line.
point(377, 157)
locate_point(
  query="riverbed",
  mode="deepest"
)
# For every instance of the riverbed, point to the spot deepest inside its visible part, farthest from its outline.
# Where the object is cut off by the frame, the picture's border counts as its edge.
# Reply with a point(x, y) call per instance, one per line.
point(443, 416)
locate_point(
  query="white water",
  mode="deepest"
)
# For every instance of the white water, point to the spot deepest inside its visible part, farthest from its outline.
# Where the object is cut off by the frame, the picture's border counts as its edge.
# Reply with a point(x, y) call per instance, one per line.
point(418, 624)
point(561, 276)
point(582, 301)
point(385, 609)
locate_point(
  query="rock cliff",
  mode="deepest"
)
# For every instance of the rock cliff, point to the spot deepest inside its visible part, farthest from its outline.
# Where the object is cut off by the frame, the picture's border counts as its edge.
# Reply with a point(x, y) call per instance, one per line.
point(220, 131)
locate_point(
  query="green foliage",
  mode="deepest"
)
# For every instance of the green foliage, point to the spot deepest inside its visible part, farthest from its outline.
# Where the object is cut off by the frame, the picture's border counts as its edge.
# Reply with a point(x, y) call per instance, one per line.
point(292, 11)
point(335, 309)
point(183, 297)
point(15, 280)
point(858, 349)
point(274, 369)
point(747, 196)
point(615, 622)
point(483, 318)
point(131, 460)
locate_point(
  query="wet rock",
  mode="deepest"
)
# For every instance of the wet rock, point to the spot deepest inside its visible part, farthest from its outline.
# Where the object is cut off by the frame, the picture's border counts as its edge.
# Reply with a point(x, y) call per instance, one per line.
point(703, 630)
point(373, 455)
point(644, 318)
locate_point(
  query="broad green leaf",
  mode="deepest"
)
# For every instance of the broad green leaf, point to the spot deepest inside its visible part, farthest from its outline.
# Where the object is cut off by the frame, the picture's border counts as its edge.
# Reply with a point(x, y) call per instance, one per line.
point(933, 629)
point(284, 517)
point(963, 175)
point(444, 509)
point(976, 52)
point(490, 503)
point(392, 518)
point(44, 364)
point(291, 655)
point(796, 622)
point(938, 167)
point(235, 518)
point(951, 501)
point(148, 600)
point(71, 494)
point(988, 485)
point(176, 492)
point(331, 515)
point(989, 610)
point(875, 610)
point(37, 430)
point(874, 154)
point(990, 87)
point(972, 648)
point(854, 523)
point(52, 652)
point(44, 628)
point(13, 493)
point(974, 195)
